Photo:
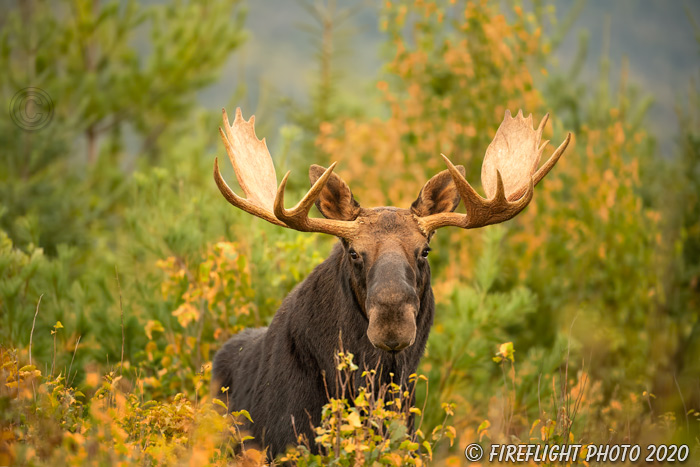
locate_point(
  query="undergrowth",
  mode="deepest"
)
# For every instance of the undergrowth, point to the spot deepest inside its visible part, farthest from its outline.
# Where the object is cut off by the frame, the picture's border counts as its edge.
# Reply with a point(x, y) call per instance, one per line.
point(47, 420)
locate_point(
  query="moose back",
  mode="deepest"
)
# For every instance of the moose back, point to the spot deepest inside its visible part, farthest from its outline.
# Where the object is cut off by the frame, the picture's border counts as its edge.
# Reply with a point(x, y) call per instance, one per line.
point(373, 290)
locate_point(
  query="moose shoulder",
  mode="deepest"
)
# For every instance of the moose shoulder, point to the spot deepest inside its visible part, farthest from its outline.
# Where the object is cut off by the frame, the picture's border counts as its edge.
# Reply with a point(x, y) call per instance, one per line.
point(373, 290)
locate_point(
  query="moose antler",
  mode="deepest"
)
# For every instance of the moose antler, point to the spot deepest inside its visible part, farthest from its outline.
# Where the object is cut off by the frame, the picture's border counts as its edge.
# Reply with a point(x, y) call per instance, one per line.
point(256, 175)
point(253, 167)
point(509, 175)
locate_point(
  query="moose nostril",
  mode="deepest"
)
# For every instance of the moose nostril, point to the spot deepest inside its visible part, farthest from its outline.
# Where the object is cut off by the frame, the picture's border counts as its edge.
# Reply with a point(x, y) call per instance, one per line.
point(393, 345)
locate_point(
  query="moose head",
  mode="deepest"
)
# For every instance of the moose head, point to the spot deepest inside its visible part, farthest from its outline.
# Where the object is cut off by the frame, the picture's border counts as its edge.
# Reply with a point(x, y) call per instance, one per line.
point(385, 248)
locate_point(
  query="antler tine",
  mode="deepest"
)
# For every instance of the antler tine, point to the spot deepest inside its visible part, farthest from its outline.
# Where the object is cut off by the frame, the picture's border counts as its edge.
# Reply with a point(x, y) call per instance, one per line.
point(515, 151)
point(547, 166)
point(298, 213)
point(298, 217)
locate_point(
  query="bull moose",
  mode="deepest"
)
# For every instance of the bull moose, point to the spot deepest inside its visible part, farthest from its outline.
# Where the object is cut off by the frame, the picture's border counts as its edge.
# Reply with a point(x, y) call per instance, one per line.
point(374, 289)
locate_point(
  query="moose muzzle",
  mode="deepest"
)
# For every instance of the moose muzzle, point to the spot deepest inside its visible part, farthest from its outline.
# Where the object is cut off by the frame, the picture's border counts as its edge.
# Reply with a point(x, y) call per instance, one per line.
point(392, 304)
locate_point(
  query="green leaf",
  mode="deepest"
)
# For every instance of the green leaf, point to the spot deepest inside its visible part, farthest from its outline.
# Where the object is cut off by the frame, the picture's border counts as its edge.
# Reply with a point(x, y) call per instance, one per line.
point(398, 431)
point(429, 449)
point(244, 413)
point(408, 445)
point(220, 403)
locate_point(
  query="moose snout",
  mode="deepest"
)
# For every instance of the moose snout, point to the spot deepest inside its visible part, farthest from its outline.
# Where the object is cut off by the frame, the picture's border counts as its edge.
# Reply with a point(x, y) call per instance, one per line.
point(392, 320)
point(392, 303)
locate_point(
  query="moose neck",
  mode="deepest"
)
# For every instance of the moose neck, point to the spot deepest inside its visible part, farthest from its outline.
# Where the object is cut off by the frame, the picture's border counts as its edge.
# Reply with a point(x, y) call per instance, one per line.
point(324, 310)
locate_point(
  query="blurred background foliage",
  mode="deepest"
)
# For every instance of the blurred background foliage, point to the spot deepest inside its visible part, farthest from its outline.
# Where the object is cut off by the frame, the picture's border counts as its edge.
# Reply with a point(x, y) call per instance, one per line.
point(110, 215)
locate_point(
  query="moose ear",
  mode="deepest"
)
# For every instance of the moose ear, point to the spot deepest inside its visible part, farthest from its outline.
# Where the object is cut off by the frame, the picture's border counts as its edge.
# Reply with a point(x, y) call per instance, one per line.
point(336, 200)
point(438, 195)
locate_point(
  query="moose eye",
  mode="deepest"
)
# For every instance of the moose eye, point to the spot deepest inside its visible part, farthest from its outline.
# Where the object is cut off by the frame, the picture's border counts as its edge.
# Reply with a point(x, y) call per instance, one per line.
point(425, 252)
point(353, 254)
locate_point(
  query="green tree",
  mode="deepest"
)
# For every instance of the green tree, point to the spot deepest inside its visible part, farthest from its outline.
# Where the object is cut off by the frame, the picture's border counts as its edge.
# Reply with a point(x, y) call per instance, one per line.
point(116, 95)
point(124, 79)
